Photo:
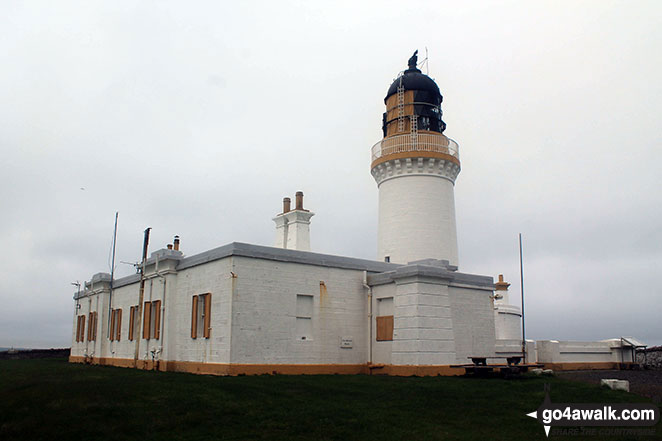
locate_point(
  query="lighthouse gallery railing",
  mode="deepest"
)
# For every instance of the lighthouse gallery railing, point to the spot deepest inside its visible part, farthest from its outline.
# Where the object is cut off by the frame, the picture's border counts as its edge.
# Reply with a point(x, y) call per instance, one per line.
point(420, 142)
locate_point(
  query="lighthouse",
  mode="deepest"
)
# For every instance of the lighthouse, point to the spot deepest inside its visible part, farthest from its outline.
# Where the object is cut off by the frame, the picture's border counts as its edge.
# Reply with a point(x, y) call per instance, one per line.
point(415, 166)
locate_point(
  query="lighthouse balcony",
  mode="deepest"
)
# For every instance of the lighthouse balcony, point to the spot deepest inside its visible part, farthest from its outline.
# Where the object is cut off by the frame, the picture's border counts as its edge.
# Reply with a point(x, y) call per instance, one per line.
point(413, 143)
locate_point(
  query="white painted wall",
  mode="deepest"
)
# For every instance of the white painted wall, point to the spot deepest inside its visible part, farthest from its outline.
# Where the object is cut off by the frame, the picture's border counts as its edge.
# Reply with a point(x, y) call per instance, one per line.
point(507, 321)
point(417, 219)
point(216, 278)
point(123, 297)
point(96, 301)
point(264, 313)
point(554, 351)
point(473, 323)
point(423, 324)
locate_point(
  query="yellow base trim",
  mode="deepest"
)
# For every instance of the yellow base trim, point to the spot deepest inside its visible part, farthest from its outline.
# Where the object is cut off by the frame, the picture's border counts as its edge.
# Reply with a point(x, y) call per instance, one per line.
point(311, 369)
point(271, 369)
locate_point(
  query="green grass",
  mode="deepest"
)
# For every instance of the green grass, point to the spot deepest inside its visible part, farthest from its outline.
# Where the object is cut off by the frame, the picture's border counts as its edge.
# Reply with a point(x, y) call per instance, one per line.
point(48, 399)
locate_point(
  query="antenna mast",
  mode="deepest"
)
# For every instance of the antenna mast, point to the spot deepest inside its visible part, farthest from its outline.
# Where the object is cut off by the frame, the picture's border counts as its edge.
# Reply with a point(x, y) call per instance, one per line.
point(521, 280)
point(112, 274)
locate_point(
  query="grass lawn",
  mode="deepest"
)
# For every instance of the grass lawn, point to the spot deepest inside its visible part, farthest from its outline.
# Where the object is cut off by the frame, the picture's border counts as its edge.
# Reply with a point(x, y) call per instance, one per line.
point(52, 399)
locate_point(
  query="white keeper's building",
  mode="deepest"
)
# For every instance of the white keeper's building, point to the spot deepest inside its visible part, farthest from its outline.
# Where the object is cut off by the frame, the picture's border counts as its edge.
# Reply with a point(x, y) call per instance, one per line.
point(248, 309)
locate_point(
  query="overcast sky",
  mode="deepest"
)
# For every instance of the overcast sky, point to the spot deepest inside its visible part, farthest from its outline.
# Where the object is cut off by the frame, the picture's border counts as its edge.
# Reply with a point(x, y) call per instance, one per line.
point(197, 118)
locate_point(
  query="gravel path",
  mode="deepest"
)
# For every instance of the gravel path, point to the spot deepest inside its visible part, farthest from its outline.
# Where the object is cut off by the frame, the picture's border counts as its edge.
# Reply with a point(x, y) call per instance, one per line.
point(645, 382)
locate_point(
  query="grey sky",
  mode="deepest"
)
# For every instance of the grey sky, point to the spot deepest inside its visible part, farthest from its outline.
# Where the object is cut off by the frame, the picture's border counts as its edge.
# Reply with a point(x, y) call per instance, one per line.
point(196, 118)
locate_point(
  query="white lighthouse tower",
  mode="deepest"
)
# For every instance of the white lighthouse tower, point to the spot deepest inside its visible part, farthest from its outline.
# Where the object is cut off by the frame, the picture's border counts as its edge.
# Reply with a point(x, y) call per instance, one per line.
point(415, 167)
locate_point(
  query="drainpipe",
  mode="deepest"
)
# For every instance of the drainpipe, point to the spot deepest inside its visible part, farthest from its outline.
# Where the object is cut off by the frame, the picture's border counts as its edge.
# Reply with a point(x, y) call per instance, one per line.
point(369, 288)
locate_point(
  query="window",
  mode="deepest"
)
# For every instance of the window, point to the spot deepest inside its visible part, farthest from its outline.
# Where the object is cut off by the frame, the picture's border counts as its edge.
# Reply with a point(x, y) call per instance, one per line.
point(385, 319)
point(134, 321)
point(425, 123)
point(304, 317)
point(115, 324)
point(91, 326)
point(201, 316)
point(80, 328)
point(152, 320)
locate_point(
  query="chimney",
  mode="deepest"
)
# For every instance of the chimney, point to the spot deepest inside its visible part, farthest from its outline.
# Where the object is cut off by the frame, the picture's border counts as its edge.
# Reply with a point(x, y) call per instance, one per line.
point(501, 290)
point(169, 246)
point(299, 200)
point(293, 226)
point(176, 242)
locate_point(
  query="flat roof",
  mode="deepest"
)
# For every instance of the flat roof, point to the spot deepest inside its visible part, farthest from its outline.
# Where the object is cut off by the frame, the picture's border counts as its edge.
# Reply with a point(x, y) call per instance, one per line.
point(308, 258)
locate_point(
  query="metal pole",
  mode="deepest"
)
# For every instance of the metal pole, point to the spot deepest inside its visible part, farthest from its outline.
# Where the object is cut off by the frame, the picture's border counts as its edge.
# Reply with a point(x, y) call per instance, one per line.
point(141, 294)
point(112, 274)
point(521, 280)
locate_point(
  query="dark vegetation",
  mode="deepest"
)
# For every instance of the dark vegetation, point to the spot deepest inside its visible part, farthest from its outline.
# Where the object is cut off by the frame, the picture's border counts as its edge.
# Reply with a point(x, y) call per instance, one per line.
point(52, 399)
point(18, 354)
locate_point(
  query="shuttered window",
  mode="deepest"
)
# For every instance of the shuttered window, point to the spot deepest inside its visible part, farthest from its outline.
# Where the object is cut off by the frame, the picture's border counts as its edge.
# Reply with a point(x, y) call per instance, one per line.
point(156, 314)
point(90, 322)
point(207, 318)
point(115, 324)
point(152, 320)
point(111, 334)
point(94, 327)
point(147, 313)
point(91, 327)
point(78, 328)
point(194, 318)
point(201, 316)
point(385, 328)
point(119, 324)
point(132, 321)
point(81, 328)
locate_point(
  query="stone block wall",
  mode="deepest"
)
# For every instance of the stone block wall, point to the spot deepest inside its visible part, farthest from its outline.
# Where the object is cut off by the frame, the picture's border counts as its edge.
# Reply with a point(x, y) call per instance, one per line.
point(650, 358)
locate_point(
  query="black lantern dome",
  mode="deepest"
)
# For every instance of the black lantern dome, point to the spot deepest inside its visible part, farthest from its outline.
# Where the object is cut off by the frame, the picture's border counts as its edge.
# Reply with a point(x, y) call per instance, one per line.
point(426, 100)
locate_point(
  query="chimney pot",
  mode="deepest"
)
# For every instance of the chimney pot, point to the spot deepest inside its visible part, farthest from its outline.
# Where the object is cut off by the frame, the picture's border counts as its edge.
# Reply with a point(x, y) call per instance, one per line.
point(500, 277)
point(176, 243)
point(286, 205)
point(299, 200)
point(169, 246)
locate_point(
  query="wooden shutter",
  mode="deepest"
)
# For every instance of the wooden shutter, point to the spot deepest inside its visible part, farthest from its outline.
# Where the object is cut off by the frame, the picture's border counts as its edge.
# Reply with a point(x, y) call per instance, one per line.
point(385, 328)
point(132, 321)
point(194, 318)
point(207, 324)
point(113, 323)
point(82, 328)
point(93, 325)
point(146, 318)
point(78, 328)
point(118, 324)
point(157, 319)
